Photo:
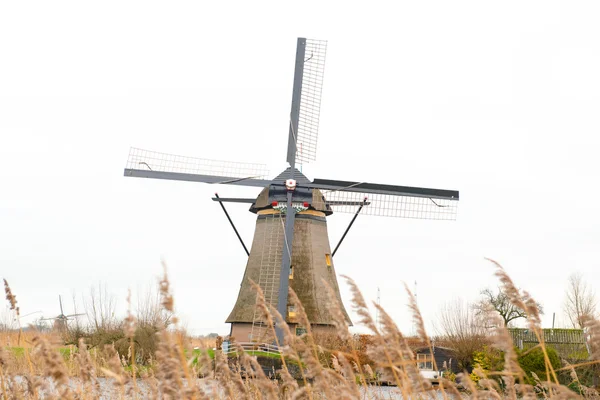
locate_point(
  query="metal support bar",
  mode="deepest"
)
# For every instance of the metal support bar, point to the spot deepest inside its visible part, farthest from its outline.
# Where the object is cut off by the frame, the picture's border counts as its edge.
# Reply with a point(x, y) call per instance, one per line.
point(212, 179)
point(286, 260)
point(232, 225)
point(290, 215)
point(349, 226)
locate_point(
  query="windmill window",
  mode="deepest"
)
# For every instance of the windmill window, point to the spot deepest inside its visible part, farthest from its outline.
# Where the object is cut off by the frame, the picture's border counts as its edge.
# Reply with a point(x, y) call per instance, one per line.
point(291, 272)
point(291, 311)
point(424, 362)
point(328, 259)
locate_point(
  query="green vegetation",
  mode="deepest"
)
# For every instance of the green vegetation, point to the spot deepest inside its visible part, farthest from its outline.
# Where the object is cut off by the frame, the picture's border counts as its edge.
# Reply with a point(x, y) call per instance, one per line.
point(534, 361)
point(487, 360)
point(19, 352)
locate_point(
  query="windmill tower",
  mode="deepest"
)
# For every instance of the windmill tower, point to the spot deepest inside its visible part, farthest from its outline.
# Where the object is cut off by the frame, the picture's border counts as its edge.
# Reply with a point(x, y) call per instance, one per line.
point(291, 244)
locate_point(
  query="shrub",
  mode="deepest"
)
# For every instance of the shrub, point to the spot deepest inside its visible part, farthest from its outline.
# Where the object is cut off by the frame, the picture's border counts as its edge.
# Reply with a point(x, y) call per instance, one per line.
point(534, 361)
point(331, 344)
point(488, 360)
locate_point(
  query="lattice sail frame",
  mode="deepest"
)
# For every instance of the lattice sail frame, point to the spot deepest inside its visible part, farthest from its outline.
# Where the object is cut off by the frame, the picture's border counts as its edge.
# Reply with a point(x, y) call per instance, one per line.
point(386, 205)
point(310, 100)
point(164, 162)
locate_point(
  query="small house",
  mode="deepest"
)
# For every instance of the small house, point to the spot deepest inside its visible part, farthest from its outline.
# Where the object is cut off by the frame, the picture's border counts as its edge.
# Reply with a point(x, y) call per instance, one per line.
point(444, 361)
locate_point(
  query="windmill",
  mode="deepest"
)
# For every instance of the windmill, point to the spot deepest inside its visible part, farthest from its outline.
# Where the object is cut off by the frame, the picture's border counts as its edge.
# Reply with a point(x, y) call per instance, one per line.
point(291, 245)
point(60, 321)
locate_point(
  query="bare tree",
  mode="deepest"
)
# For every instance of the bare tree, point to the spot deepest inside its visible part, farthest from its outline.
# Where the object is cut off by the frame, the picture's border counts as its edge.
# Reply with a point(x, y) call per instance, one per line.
point(76, 323)
point(463, 330)
point(151, 317)
point(40, 325)
point(72, 330)
point(580, 300)
point(500, 302)
point(8, 320)
point(100, 308)
point(149, 311)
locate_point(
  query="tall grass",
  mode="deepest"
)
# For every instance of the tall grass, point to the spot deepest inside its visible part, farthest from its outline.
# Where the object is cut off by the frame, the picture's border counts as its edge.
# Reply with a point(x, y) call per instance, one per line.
point(311, 367)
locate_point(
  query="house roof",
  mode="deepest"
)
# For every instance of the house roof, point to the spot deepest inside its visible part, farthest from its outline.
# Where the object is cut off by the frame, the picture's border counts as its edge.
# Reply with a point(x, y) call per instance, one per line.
point(568, 343)
point(420, 348)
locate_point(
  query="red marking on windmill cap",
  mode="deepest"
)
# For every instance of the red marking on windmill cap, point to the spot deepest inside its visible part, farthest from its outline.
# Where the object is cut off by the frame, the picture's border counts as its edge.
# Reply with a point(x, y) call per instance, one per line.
point(306, 204)
point(274, 203)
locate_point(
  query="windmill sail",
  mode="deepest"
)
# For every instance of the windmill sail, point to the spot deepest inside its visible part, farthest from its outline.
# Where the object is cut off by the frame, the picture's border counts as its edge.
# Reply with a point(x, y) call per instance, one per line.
point(365, 187)
point(388, 200)
point(151, 164)
point(306, 100)
point(387, 205)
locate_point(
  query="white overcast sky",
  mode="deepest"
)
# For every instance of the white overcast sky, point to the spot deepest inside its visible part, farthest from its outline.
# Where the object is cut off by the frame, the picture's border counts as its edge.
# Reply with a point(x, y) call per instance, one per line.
point(499, 100)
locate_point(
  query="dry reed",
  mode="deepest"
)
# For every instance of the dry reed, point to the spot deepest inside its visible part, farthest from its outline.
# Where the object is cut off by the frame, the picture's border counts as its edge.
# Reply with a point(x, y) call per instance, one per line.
point(309, 369)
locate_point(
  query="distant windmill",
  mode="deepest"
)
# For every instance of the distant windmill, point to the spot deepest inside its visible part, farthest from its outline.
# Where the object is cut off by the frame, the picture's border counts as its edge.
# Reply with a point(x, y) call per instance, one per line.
point(60, 321)
point(291, 245)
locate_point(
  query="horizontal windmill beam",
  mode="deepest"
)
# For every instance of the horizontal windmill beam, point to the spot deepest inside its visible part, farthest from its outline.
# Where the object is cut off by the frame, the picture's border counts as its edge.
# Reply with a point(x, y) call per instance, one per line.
point(375, 188)
point(211, 179)
point(234, 200)
point(348, 203)
point(251, 201)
